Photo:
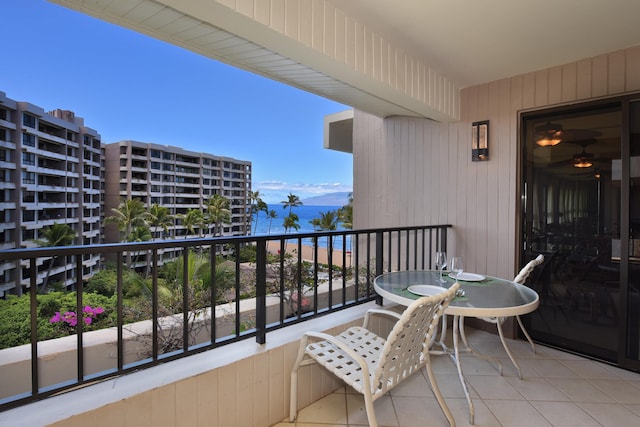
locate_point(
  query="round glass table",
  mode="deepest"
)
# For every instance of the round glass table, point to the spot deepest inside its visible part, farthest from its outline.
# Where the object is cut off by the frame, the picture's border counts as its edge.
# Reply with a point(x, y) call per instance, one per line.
point(479, 296)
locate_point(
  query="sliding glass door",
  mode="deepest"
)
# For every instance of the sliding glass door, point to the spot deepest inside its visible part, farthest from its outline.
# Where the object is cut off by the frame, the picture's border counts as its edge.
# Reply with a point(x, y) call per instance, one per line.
point(581, 201)
point(632, 300)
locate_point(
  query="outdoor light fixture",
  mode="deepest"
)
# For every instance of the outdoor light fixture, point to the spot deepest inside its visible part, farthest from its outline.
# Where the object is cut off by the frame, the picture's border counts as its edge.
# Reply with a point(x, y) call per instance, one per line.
point(480, 141)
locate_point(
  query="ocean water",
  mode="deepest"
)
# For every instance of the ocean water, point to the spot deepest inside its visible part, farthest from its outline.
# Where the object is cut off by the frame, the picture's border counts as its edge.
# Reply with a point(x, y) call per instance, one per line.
point(305, 215)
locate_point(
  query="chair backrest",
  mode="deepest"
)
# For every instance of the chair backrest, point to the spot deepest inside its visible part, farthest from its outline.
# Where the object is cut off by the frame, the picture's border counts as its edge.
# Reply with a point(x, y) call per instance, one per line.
point(527, 269)
point(407, 347)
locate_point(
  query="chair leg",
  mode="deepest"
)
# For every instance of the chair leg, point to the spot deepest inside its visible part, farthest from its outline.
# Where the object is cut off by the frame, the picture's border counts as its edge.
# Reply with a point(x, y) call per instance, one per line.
point(293, 402)
point(526, 334)
point(438, 394)
point(368, 405)
point(506, 348)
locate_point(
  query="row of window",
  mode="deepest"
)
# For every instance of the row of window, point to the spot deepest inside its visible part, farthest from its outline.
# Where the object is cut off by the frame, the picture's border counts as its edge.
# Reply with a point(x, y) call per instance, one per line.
point(164, 155)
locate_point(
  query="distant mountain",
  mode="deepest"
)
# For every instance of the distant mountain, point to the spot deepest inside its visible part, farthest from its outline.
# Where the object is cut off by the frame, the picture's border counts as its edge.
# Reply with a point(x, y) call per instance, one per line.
point(331, 199)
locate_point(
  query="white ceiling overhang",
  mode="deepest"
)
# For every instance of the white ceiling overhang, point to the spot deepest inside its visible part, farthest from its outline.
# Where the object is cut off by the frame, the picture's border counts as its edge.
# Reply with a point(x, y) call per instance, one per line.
point(310, 45)
point(407, 57)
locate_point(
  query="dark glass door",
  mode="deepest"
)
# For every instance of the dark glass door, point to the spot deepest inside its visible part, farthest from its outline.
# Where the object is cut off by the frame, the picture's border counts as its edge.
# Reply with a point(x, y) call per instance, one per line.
point(632, 313)
point(573, 213)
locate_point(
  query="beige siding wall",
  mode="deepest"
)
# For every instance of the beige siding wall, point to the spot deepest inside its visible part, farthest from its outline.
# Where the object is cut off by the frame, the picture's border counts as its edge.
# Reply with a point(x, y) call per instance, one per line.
point(410, 171)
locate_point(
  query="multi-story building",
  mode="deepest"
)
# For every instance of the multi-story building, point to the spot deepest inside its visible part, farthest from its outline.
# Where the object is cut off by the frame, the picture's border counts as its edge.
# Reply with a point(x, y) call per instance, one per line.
point(51, 171)
point(178, 179)
point(54, 169)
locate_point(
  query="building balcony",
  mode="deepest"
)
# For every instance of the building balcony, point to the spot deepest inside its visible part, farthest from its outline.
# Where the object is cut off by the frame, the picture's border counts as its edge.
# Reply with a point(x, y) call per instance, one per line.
point(245, 382)
point(7, 165)
point(247, 385)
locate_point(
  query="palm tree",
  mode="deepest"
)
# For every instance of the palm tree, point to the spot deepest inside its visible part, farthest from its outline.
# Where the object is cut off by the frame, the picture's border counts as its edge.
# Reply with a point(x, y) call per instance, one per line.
point(193, 220)
point(291, 202)
point(315, 222)
point(257, 206)
point(271, 215)
point(218, 213)
point(262, 207)
point(140, 233)
point(55, 235)
point(129, 214)
point(345, 214)
point(291, 221)
point(328, 221)
point(159, 217)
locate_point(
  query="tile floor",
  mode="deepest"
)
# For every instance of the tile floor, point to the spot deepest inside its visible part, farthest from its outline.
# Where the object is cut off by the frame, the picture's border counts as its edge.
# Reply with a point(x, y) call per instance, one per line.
point(558, 389)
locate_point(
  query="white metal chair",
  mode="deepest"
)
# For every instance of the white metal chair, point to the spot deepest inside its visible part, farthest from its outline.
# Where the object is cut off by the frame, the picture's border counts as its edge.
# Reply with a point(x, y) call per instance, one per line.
point(373, 365)
point(521, 277)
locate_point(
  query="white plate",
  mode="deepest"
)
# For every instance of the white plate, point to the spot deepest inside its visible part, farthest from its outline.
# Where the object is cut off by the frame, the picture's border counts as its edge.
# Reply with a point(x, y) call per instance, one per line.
point(468, 277)
point(425, 290)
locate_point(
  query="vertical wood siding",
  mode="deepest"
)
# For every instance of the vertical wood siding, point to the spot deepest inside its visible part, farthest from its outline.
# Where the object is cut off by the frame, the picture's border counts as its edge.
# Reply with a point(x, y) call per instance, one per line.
point(410, 171)
point(369, 59)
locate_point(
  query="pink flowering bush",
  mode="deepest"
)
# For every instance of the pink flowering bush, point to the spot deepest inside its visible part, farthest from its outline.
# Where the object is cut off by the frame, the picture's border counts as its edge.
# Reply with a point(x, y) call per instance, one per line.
point(89, 314)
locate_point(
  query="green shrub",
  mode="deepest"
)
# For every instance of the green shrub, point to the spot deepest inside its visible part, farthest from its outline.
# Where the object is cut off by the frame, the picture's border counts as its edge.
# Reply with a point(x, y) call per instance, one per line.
point(15, 317)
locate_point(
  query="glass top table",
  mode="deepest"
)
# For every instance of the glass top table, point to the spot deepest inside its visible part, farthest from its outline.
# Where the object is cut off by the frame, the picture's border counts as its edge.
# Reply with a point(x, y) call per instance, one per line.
point(484, 296)
point(490, 297)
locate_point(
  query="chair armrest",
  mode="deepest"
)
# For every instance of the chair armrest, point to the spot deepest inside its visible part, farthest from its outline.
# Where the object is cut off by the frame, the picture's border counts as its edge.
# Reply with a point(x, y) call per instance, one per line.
point(380, 312)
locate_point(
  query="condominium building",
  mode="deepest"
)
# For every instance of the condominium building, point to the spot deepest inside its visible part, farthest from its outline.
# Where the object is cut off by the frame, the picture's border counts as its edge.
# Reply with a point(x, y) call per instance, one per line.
point(54, 169)
point(178, 179)
point(51, 171)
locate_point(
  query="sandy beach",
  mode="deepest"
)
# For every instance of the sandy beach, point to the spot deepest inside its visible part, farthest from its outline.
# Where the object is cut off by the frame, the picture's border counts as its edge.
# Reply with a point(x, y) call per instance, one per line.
point(307, 253)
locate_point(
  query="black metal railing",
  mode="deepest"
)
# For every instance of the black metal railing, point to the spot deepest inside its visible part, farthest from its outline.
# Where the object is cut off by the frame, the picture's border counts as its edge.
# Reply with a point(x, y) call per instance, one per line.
point(295, 277)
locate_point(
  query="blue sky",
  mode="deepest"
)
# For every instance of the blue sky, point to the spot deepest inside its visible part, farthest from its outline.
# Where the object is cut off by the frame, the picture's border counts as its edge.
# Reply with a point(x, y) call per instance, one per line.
point(128, 86)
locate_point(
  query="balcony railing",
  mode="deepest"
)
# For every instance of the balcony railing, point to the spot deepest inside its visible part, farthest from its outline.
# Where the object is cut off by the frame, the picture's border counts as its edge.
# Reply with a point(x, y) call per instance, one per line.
point(295, 277)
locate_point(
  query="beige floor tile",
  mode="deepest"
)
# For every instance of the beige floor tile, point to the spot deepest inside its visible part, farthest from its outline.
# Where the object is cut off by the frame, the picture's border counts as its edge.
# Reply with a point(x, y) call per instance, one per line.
point(621, 391)
point(587, 368)
point(516, 413)
point(472, 365)
point(419, 412)
point(635, 409)
point(493, 387)
point(415, 386)
point(483, 416)
point(384, 411)
point(442, 364)
point(611, 415)
point(330, 410)
point(320, 425)
point(565, 414)
point(580, 390)
point(621, 373)
point(537, 389)
point(450, 386)
point(553, 353)
point(553, 368)
point(528, 367)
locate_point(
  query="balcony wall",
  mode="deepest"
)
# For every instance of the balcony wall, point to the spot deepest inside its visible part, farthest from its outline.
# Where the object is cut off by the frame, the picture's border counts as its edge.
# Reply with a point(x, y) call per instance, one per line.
point(58, 357)
point(243, 384)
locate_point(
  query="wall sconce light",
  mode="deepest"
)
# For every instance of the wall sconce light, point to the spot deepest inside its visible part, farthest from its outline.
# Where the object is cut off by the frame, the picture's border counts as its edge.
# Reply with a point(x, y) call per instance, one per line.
point(480, 141)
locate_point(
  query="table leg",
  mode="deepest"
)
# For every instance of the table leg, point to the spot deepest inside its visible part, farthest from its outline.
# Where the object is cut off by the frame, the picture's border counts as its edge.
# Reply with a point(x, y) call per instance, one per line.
point(506, 348)
point(456, 358)
point(476, 352)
